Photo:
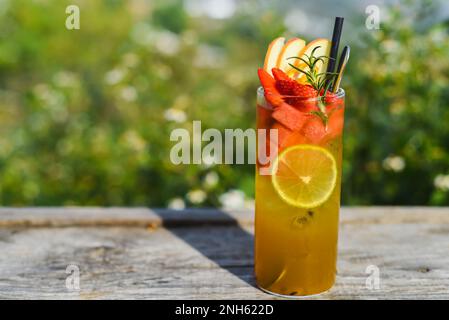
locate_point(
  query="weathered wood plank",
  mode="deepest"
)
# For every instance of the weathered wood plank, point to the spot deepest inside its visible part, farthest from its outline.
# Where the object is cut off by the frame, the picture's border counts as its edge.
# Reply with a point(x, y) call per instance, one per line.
point(126, 259)
point(145, 217)
point(125, 217)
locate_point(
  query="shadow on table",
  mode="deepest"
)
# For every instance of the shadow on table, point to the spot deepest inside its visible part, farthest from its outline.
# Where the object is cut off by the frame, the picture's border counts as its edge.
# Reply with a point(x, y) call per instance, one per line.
point(217, 236)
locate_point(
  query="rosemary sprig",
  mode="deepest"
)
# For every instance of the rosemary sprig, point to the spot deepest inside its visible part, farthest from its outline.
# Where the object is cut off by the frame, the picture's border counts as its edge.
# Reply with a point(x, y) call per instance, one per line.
point(321, 82)
point(315, 79)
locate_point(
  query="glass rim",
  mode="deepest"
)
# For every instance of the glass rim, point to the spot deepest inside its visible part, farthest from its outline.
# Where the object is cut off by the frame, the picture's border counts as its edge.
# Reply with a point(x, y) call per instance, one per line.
point(339, 94)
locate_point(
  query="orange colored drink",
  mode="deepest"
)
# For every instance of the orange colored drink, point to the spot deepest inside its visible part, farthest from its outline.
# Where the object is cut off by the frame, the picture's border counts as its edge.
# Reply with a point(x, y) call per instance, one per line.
point(297, 205)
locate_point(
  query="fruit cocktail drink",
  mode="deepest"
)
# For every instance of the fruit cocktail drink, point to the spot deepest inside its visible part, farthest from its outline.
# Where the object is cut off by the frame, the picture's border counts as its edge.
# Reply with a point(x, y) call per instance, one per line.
point(298, 200)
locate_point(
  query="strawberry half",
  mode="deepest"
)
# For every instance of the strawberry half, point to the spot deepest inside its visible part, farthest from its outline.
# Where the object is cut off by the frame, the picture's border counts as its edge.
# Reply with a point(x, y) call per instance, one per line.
point(294, 93)
point(279, 74)
point(269, 86)
point(330, 97)
point(290, 87)
point(304, 98)
point(304, 91)
point(286, 87)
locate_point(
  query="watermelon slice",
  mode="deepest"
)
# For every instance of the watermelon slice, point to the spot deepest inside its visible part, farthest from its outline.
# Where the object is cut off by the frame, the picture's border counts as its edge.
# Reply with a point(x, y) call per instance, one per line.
point(290, 117)
point(316, 132)
point(287, 137)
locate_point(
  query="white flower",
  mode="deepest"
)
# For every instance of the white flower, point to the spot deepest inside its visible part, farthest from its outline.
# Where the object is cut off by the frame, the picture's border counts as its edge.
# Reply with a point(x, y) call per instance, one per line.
point(114, 76)
point(133, 140)
point(233, 199)
point(53, 101)
point(211, 179)
point(175, 115)
point(176, 204)
point(441, 182)
point(394, 163)
point(128, 93)
point(164, 41)
point(167, 42)
point(196, 196)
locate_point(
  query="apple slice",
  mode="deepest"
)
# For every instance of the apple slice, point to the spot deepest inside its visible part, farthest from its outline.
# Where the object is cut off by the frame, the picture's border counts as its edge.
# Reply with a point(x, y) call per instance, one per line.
point(323, 50)
point(272, 55)
point(292, 48)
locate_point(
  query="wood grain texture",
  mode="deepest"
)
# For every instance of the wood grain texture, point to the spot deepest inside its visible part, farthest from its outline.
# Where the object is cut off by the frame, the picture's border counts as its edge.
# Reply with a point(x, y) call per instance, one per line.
point(141, 253)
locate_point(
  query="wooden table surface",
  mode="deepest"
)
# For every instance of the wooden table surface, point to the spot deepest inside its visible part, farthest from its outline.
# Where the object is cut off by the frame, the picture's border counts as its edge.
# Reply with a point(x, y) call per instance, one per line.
point(140, 253)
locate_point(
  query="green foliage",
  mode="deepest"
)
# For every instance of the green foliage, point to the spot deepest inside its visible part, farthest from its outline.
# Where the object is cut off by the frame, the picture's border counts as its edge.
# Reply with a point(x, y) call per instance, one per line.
point(397, 140)
point(86, 115)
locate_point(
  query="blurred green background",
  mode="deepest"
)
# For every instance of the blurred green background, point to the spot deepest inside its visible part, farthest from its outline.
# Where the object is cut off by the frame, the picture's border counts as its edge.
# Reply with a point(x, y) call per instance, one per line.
point(86, 115)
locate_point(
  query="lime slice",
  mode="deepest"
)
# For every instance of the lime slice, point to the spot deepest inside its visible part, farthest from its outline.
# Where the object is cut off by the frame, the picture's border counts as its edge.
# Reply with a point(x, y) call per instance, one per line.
point(304, 175)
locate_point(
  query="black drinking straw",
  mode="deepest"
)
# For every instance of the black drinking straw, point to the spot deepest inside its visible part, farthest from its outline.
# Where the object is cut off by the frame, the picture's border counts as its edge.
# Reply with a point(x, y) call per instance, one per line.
point(338, 27)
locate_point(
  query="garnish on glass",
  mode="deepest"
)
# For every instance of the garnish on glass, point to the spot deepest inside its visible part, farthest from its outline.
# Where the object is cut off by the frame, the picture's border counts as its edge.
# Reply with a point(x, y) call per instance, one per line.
point(322, 82)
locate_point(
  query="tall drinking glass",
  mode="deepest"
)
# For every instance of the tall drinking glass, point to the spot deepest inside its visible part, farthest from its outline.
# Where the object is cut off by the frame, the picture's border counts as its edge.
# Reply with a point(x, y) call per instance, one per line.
point(298, 200)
